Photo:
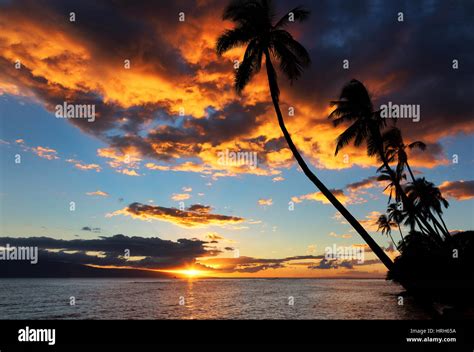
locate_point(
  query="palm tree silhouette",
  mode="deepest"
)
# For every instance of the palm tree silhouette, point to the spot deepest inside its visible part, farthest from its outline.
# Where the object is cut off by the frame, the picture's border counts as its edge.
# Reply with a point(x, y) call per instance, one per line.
point(428, 200)
point(395, 149)
point(355, 107)
point(385, 227)
point(385, 176)
point(395, 214)
point(255, 28)
point(411, 218)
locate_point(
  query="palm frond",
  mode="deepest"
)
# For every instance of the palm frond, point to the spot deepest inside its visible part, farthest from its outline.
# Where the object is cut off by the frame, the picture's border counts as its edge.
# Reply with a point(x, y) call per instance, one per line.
point(249, 66)
point(294, 46)
point(346, 137)
point(290, 64)
point(232, 38)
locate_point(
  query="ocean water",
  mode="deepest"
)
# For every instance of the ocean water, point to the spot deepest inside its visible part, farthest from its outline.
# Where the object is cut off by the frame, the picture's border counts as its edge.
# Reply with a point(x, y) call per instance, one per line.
point(204, 299)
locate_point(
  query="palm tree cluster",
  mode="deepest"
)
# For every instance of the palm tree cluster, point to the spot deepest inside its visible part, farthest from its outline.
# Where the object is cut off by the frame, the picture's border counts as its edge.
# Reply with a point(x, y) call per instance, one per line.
point(418, 203)
point(266, 38)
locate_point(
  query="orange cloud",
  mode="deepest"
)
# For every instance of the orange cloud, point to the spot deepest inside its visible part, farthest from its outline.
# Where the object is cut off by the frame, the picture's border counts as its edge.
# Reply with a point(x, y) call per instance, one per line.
point(459, 190)
point(278, 179)
point(345, 235)
point(180, 196)
point(265, 202)
point(194, 216)
point(98, 193)
point(125, 162)
point(215, 237)
point(42, 152)
point(83, 166)
point(128, 172)
point(45, 152)
point(369, 223)
point(319, 197)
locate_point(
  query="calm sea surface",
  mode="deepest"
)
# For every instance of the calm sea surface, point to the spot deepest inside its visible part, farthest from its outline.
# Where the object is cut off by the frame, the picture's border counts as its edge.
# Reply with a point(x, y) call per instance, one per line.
point(204, 299)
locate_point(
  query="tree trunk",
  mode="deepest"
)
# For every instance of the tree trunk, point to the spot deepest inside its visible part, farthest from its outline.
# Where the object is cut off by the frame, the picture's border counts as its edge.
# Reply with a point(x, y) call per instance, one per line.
point(324, 190)
point(396, 247)
point(411, 172)
point(437, 224)
point(444, 224)
point(400, 230)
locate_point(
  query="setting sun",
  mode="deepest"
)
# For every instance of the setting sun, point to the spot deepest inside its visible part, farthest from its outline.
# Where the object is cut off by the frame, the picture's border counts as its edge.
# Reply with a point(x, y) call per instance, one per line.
point(189, 273)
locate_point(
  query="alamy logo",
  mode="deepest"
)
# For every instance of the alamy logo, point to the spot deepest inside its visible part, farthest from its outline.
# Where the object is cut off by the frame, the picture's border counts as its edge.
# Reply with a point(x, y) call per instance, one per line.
point(19, 253)
point(344, 253)
point(75, 111)
point(400, 111)
point(230, 158)
point(37, 335)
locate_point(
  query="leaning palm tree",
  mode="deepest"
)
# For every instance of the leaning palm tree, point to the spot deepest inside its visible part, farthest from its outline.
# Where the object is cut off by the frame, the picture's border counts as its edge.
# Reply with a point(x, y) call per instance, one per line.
point(355, 107)
point(385, 227)
point(255, 27)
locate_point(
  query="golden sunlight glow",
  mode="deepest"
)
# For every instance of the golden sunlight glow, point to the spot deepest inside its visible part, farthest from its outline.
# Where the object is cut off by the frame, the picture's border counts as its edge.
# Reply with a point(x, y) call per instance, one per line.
point(189, 273)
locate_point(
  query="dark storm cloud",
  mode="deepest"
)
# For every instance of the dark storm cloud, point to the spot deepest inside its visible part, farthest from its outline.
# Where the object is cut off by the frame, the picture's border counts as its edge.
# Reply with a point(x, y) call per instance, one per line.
point(409, 62)
point(117, 30)
point(365, 183)
point(158, 253)
point(233, 121)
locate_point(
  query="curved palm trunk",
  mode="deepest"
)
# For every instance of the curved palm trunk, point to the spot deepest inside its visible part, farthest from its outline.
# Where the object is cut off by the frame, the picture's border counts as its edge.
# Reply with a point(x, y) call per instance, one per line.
point(324, 190)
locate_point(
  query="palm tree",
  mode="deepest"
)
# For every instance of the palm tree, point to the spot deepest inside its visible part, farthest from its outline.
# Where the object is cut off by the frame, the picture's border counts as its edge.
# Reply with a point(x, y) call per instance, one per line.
point(385, 227)
point(385, 176)
point(395, 149)
point(428, 199)
point(355, 107)
point(396, 215)
point(255, 28)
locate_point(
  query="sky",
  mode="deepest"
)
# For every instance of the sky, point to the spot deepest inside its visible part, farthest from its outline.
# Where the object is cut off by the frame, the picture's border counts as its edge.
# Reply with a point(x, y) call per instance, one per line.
point(146, 174)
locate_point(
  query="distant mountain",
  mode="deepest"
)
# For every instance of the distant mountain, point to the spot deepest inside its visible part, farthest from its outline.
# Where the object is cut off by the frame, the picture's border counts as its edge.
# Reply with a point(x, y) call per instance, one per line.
point(22, 269)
